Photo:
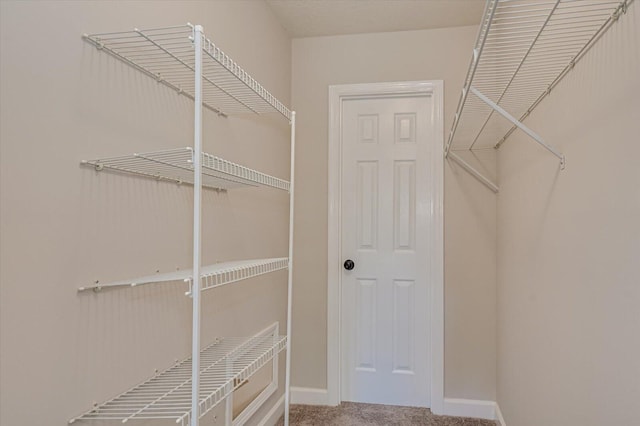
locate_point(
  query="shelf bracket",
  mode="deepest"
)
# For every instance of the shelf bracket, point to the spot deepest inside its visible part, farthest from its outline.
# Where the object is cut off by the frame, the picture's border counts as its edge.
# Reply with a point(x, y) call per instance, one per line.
point(521, 126)
point(474, 172)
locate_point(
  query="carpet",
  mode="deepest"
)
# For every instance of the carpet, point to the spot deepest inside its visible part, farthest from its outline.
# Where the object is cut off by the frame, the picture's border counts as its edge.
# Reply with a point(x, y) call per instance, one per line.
point(356, 414)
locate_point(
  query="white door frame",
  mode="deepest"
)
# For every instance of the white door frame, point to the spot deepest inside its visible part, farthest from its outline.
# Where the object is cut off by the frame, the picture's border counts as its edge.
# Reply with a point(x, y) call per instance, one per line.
point(337, 94)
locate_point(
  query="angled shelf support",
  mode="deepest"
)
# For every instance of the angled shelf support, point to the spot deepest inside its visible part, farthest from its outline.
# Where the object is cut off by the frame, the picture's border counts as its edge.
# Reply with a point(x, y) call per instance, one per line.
point(521, 126)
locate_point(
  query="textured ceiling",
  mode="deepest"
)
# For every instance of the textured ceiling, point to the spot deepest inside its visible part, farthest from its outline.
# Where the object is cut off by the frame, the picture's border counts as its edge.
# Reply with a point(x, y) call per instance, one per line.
point(310, 18)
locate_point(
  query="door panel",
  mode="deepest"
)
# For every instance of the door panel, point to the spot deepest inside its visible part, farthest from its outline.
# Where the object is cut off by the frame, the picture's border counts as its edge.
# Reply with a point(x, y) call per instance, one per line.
point(404, 205)
point(366, 329)
point(367, 207)
point(403, 326)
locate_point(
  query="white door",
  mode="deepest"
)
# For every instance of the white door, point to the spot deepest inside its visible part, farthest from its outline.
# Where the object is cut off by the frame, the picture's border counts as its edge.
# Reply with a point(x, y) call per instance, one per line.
point(386, 151)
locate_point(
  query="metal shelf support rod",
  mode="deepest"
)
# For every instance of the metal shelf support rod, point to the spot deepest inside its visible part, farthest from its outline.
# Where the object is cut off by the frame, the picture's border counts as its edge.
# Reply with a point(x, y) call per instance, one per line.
point(290, 272)
point(474, 172)
point(521, 126)
point(197, 198)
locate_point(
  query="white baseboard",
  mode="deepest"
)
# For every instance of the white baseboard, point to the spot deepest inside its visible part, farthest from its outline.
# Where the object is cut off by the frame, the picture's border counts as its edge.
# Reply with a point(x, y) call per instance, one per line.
point(499, 417)
point(470, 408)
point(309, 396)
point(272, 417)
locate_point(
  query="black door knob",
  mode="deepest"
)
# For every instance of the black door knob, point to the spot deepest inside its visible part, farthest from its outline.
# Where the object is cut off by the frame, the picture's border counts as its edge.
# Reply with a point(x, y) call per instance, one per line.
point(348, 264)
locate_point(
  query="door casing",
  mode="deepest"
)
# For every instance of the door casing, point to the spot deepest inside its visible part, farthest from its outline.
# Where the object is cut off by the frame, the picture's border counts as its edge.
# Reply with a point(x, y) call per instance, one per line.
point(337, 94)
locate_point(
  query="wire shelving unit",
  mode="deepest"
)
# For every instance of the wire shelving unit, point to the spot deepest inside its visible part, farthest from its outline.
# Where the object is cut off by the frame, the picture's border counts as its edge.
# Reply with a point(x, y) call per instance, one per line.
point(224, 366)
point(176, 165)
point(183, 59)
point(211, 276)
point(524, 48)
point(166, 54)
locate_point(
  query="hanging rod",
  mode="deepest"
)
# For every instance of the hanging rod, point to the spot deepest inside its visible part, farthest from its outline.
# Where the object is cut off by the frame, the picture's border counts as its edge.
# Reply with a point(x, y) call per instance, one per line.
point(474, 172)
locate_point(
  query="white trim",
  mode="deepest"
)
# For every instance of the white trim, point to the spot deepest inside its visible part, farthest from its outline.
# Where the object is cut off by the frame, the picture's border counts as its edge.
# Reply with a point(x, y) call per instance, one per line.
point(436, 269)
point(309, 396)
point(470, 408)
point(272, 417)
point(499, 417)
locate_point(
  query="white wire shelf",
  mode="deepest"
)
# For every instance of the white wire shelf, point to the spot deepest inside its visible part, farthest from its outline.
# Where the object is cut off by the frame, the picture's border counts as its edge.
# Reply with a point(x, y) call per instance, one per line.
point(211, 276)
point(524, 48)
point(167, 55)
point(224, 366)
point(176, 165)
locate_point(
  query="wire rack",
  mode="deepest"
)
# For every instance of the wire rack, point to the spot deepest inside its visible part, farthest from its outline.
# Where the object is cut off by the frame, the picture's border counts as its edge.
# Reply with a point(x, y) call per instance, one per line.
point(176, 165)
point(524, 48)
point(224, 366)
point(167, 55)
point(211, 276)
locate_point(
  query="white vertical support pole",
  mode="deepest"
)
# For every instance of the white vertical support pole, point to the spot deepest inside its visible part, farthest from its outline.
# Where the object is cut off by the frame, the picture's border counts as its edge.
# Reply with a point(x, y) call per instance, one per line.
point(197, 197)
point(276, 355)
point(228, 409)
point(287, 384)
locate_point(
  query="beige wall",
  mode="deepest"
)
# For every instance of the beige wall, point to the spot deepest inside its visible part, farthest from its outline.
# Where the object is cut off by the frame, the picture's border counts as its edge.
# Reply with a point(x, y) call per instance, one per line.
point(469, 207)
point(569, 248)
point(64, 226)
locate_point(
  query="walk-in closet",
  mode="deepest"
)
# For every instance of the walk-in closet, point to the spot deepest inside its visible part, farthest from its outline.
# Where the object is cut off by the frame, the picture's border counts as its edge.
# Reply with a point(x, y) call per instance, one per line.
point(319, 212)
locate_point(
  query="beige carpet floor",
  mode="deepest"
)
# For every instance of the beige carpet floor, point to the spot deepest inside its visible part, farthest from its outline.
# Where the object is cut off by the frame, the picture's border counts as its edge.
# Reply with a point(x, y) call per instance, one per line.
point(353, 414)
